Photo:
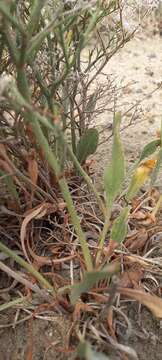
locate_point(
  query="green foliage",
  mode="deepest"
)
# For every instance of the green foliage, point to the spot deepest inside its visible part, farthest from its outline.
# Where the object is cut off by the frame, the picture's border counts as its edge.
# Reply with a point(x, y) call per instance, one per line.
point(87, 145)
point(50, 98)
point(114, 173)
point(119, 228)
point(149, 149)
point(42, 49)
point(90, 279)
point(135, 184)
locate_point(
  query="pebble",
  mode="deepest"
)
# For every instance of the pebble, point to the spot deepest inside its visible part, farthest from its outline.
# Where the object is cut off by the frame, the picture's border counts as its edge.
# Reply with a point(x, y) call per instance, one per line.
point(152, 56)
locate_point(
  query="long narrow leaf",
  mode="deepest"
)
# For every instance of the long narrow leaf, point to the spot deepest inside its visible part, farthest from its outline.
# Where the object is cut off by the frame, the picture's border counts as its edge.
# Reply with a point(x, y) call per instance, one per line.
point(114, 174)
point(90, 279)
point(87, 145)
point(119, 228)
point(149, 149)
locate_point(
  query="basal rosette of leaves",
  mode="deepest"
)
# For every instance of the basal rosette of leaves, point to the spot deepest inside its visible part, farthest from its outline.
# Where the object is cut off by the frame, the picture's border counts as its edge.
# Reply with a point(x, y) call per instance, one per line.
point(46, 137)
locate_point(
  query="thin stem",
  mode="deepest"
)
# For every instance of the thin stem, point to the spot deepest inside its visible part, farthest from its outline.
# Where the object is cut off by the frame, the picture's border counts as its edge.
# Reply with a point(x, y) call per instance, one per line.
point(37, 40)
point(27, 266)
point(12, 303)
point(65, 192)
point(63, 44)
point(19, 277)
point(87, 179)
point(22, 102)
point(35, 16)
point(11, 18)
point(103, 237)
point(11, 44)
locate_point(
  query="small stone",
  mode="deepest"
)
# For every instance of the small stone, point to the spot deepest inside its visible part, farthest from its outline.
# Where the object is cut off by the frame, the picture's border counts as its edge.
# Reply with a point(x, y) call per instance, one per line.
point(139, 91)
point(127, 90)
point(151, 120)
point(149, 72)
point(152, 56)
point(50, 334)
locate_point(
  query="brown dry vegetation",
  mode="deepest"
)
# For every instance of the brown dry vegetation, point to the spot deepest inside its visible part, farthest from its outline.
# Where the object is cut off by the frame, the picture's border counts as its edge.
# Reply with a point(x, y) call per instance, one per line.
point(119, 314)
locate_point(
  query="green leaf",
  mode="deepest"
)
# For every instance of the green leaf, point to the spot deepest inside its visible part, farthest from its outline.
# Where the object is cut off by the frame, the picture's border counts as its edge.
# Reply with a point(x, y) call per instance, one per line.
point(10, 184)
point(149, 149)
point(87, 145)
point(119, 228)
point(90, 279)
point(114, 173)
point(157, 167)
point(86, 352)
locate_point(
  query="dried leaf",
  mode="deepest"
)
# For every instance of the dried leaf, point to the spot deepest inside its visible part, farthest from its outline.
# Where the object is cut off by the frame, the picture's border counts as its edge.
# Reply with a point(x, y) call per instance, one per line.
point(139, 215)
point(6, 167)
point(30, 134)
point(131, 277)
point(46, 260)
point(152, 302)
point(33, 166)
point(3, 152)
point(81, 307)
point(34, 213)
point(109, 250)
point(110, 323)
point(155, 195)
point(136, 202)
point(138, 242)
point(148, 219)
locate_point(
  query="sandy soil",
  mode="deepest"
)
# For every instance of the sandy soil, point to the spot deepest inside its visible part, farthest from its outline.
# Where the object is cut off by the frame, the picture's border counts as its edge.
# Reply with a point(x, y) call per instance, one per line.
point(138, 66)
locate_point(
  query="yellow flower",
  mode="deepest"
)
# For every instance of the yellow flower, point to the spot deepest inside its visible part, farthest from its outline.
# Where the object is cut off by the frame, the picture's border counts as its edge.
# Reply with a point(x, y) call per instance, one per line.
point(140, 176)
